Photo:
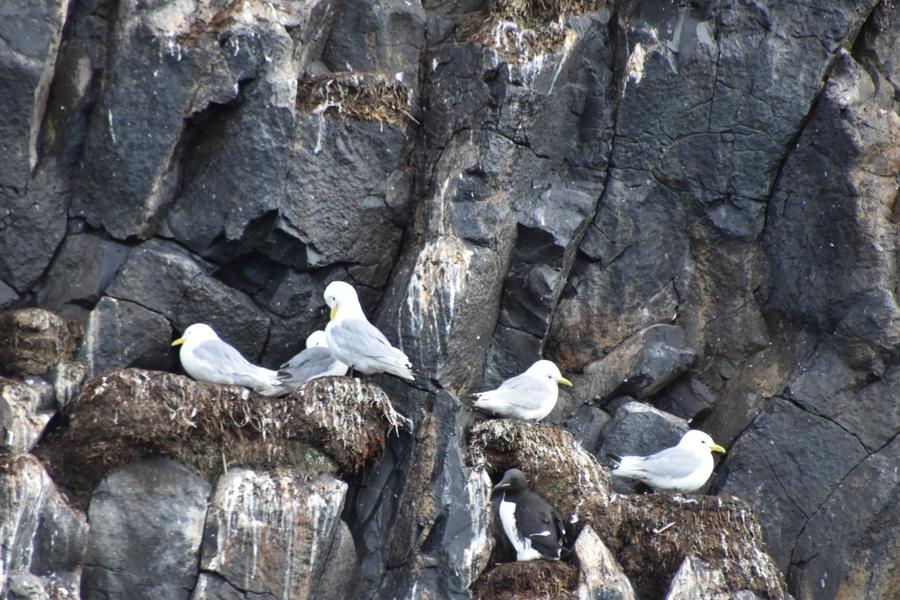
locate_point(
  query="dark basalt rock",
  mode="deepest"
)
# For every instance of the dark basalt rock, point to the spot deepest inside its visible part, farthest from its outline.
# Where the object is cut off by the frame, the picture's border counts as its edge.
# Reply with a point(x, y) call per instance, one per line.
point(640, 366)
point(84, 266)
point(119, 333)
point(769, 467)
point(154, 507)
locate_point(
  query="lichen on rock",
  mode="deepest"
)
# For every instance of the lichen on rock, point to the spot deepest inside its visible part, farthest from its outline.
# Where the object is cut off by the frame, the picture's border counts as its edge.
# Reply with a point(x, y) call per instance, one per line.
point(356, 96)
point(332, 424)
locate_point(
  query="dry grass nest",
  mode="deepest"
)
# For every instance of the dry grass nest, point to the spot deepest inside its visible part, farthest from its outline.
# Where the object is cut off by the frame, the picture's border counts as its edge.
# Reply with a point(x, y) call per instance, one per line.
point(551, 579)
point(652, 534)
point(523, 29)
point(356, 96)
point(332, 424)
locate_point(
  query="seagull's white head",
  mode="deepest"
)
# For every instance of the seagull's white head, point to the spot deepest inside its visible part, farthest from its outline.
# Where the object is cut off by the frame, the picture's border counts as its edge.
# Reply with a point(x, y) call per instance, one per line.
point(698, 440)
point(545, 369)
point(317, 339)
point(197, 332)
point(340, 296)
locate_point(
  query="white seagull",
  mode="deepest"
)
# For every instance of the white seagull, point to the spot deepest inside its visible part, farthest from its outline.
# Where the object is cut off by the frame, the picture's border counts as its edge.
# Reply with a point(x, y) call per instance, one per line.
point(314, 362)
point(681, 468)
point(207, 358)
point(530, 396)
point(356, 342)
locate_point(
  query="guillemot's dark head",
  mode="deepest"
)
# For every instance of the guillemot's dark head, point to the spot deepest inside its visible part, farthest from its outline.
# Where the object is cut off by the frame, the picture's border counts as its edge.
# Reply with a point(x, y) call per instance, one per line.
point(513, 481)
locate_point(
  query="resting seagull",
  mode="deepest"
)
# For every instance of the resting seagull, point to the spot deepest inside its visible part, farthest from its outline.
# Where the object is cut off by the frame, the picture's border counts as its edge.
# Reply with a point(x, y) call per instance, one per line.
point(207, 358)
point(532, 526)
point(356, 342)
point(530, 396)
point(681, 468)
point(316, 361)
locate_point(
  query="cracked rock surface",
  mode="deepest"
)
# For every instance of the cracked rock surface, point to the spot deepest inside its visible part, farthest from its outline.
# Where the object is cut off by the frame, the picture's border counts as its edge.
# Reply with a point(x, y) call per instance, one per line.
point(689, 207)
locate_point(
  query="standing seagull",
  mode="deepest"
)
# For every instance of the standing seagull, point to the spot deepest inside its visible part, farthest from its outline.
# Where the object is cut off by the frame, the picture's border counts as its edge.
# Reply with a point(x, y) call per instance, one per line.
point(532, 526)
point(207, 358)
point(356, 342)
point(316, 361)
point(530, 396)
point(681, 468)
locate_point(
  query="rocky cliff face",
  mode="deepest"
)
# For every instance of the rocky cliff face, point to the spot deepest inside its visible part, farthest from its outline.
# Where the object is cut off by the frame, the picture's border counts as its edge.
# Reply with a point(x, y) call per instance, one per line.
point(689, 206)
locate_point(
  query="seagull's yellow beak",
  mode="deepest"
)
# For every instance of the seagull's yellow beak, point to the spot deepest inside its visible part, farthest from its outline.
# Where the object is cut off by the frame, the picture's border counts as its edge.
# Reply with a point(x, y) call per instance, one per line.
point(178, 342)
point(564, 381)
point(333, 313)
point(717, 448)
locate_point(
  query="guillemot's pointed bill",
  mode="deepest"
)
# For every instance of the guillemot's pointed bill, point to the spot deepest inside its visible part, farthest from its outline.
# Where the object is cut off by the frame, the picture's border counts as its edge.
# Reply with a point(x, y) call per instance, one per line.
point(533, 527)
point(315, 361)
point(682, 468)
point(530, 396)
point(207, 358)
point(356, 342)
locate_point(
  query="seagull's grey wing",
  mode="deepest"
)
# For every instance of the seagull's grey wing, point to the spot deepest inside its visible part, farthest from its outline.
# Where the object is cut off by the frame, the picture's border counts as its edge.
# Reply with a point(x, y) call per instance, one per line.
point(307, 365)
point(671, 463)
point(522, 391)
point(363, 339)
point(223, 358)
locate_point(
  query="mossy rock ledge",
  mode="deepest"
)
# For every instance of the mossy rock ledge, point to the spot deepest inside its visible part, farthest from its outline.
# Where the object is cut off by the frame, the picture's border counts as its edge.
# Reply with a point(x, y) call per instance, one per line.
point(334, 424)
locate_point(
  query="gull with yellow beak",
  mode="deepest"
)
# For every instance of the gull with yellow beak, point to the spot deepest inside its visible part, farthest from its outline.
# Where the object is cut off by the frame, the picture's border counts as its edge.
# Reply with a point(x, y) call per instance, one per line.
point(529, 396)
point(682, 468)
point(356, 342)
point(207, 358)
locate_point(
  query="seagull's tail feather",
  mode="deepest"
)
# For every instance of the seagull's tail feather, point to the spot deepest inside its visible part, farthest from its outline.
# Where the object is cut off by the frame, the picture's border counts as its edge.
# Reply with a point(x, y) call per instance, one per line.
point(615, 458)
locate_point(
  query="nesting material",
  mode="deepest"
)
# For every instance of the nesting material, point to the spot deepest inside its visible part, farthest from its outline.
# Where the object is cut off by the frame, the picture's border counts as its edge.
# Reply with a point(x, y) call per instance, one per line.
point(531, 579)
point(331, 424)
point(356, 96)
point(651, 535)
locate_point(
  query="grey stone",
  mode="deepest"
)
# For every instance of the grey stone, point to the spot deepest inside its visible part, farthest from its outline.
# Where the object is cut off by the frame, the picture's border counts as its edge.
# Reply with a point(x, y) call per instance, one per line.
point(7, 295)
point(697, 579)
point(386, 37)
point(686, 398)
point(25, 586)
point(31, 33)
point(640, 366)
point(21, 419)
point(821, 223)
point(32, 224)
point(846, 547)
point(340, 577)
point(152, 508)
point(165, 279)
point(269, 533)
point(84, 266)
point(119, 333)
point(784, 476)
point(40, 533)
point(601, 577)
